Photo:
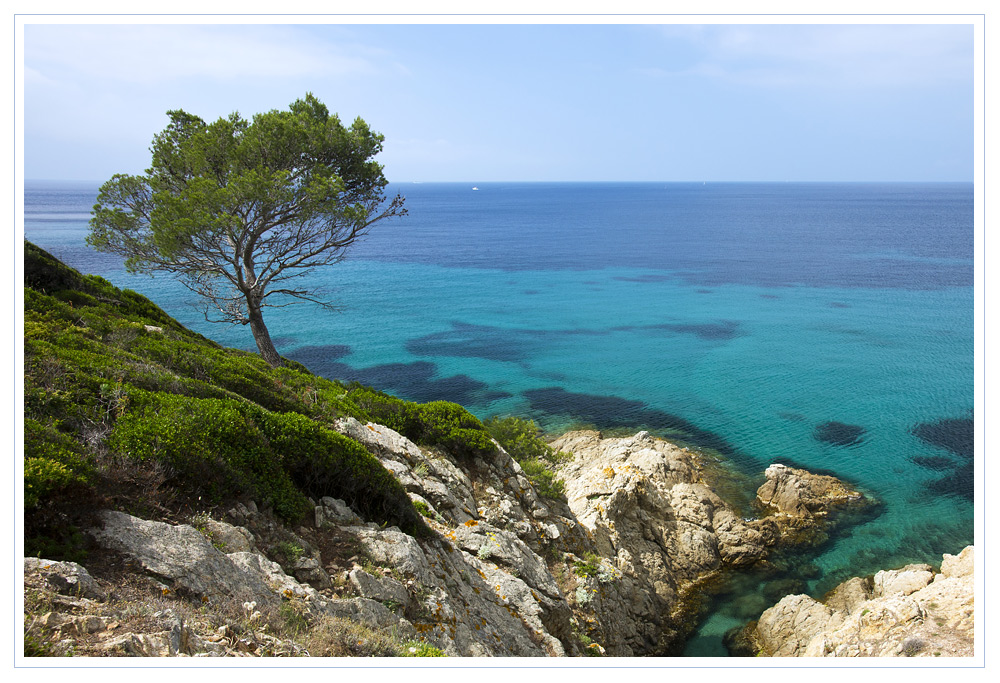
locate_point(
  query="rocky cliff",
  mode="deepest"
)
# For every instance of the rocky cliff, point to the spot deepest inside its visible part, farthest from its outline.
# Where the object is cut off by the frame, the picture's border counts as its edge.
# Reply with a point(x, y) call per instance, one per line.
point(614, 569)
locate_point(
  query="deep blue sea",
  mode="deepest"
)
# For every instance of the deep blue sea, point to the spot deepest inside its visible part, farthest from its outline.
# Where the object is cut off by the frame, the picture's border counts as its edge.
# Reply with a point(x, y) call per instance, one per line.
point(822, 325)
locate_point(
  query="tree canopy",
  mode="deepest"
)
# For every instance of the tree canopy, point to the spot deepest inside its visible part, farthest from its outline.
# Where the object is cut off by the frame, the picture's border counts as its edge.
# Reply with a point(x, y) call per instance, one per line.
point(241, 210)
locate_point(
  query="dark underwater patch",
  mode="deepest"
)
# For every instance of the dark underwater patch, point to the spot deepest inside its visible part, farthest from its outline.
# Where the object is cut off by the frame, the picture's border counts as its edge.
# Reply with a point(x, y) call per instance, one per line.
point(465, 340)
point(649, 278)
point(531, 291)
point(839, 304)
point(957, 435)
point(704, 291)
point(961, 482)
point(612, 412)
point(319, 355)
point(473, 341)
point(717, 331)
point(839, 433)
point(411, 381)
point(937, 463)
point(769, 296)
point(720, 331)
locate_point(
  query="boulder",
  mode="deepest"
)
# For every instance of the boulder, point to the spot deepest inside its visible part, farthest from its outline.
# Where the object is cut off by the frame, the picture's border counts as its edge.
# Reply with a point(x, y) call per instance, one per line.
point(799, 493)
point(67, 578)
point(907, 612)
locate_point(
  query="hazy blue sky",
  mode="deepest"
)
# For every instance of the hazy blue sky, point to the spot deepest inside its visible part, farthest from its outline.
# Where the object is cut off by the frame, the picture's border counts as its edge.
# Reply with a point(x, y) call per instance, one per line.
point(536, 102)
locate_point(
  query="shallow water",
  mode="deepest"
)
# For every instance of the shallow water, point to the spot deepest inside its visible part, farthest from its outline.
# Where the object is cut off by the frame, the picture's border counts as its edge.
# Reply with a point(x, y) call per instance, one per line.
point(828, 326)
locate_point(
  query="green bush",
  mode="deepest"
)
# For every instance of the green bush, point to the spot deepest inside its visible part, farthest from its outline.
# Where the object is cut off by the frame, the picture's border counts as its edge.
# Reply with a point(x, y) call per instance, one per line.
point(223, 448)
point(214, 446)
point(53, 462)
point(522, 439)
point(439, 423)
point(322, 462)
point(415, 648)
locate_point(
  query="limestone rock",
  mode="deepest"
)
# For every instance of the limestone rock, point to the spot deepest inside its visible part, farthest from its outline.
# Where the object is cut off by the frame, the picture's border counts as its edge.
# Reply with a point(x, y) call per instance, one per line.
point(646, 508)
point(909, 612)
point(800, 493)
point(909, 579)
point(789, 627)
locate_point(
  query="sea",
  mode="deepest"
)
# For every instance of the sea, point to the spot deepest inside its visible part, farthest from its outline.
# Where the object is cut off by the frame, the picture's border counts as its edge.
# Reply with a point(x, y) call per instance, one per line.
point(822, 325)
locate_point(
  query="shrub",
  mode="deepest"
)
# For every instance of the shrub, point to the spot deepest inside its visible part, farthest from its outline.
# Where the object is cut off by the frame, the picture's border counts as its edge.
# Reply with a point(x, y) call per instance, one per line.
point(912, 646)
point(438, 423)
point(53, 461)
point(590, 566)
point(215, 446)
point(522, 439)
point(415, 648)
point(325, 463)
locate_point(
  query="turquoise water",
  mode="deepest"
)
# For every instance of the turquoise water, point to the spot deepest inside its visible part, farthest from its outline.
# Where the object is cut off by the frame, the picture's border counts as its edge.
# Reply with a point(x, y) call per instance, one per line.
point(740, 318)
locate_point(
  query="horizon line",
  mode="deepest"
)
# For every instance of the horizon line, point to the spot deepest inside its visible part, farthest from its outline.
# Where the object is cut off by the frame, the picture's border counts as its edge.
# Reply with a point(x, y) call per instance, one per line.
point(510, 181)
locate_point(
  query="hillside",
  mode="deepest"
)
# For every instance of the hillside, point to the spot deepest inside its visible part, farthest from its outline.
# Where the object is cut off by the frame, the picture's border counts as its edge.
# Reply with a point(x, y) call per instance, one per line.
point(186, 499)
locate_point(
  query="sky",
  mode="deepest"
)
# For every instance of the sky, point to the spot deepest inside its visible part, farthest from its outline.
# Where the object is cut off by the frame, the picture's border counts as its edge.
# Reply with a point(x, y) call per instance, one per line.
point(538, 102)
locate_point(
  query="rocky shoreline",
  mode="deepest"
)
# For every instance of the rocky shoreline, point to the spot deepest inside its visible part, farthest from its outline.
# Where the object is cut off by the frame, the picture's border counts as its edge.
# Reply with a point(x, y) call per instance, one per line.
point(908, 612)
point(616, 568)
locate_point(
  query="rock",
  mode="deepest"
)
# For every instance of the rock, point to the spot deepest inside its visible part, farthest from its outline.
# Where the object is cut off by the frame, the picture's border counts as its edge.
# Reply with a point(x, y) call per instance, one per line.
point(380, 588)
point(806, 506)
point(959, 565)
point(646, 508)
point(909, 579)
point(847, 596)
point(228, 538)
point(789, 627)
point(336, 511)
point(908, 612)
point(67, 578)
point(800, 493)
point(184, 561)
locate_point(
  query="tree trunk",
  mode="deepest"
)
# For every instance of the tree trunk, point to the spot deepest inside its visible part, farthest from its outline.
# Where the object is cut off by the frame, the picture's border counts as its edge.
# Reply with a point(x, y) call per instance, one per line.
point(261, 335)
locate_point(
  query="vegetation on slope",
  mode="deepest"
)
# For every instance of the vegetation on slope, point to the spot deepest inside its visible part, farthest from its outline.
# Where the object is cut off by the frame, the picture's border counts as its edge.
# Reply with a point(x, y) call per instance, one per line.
point(125, 405)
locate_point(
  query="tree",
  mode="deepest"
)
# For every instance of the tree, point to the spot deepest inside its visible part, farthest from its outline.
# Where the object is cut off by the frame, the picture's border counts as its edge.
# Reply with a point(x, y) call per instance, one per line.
point(238, 209)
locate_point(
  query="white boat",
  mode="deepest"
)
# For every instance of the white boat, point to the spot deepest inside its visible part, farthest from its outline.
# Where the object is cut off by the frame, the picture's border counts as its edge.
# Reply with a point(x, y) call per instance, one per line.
point(475, 188)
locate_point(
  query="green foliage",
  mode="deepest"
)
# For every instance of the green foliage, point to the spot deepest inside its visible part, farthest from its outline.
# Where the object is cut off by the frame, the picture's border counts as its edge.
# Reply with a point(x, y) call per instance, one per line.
point(589, 567)
point(293, 616)
point(416, 648)
point(439, 423)
point(292, 552)
point(545, 481)
point(522, 439)
point(423, 508)
point(221, 448)
point(216, 447)
point(63, 544)
point(53, 462)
